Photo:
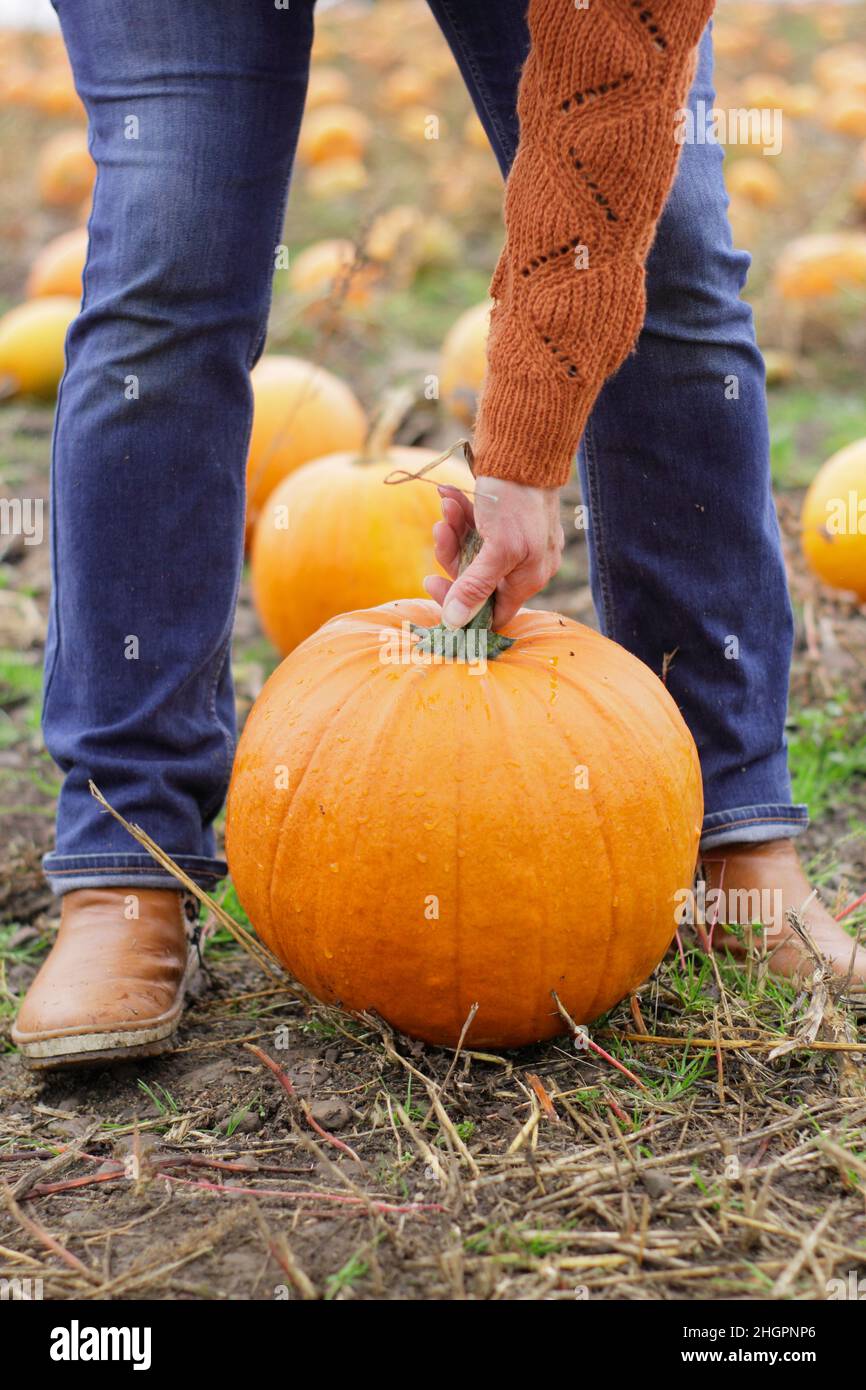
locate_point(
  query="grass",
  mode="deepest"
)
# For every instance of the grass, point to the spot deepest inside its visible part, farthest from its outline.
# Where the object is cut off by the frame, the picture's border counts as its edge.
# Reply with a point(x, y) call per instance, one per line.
point(352, 1272)
point(807, 425)
point(163, 1102)
point(827, 754)
point(21, 684)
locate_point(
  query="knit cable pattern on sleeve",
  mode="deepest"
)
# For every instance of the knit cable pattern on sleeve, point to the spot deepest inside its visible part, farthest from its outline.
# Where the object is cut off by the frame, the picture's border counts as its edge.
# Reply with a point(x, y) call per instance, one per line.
point(598, 104)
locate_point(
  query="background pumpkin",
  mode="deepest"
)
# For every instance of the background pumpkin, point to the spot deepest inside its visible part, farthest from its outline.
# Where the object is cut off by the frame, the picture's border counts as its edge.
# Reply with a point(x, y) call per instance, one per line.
point(818, 265)
point(834, 520)
point(300, 412)
point(59, 266)
point(32, 341)
point(65, 170)
point(335, 536)
point(331, 274)
point(464, 362)
point(333, 132)
point(411, 839)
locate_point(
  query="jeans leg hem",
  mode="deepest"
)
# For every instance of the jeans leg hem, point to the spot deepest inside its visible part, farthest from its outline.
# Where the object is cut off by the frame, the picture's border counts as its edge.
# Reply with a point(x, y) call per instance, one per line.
point(65, 873)
point(753, 825)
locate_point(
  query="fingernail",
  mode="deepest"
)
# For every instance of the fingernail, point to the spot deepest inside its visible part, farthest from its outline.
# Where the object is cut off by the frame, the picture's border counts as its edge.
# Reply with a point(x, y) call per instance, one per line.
point(455, 614)
point(442, 505)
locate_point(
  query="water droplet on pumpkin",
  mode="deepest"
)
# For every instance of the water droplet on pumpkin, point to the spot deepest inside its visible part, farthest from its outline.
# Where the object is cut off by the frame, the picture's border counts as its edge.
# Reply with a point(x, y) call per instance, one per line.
point(422, 858)
point(429, 825)
point(420, 791)
point(335, 868)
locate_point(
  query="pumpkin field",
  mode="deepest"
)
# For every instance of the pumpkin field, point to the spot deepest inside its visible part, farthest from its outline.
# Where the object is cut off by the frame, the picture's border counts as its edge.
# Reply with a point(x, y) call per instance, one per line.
point(704, 1138)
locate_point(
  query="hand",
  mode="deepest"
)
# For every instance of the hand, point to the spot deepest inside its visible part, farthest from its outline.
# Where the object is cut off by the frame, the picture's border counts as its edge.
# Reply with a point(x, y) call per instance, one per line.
point(523, 542)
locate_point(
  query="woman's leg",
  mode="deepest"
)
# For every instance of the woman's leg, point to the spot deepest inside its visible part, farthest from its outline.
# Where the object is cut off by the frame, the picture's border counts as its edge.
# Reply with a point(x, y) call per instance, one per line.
point(194, 111)
point(686, 561)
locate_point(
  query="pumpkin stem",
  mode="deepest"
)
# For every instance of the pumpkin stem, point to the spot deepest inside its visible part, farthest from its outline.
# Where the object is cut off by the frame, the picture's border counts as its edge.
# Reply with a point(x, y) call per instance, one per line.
point(393, 408)
point(449, 641)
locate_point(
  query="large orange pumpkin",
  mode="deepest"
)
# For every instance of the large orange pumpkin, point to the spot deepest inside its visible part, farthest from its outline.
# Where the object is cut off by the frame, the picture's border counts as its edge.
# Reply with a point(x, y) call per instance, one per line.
point(300, 412)
point(415, 838)
point(335, 536)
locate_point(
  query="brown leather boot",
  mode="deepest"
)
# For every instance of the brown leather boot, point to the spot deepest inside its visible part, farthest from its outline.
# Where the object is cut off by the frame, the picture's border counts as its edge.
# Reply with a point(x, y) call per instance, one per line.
point(761, 882)
point(113, 984)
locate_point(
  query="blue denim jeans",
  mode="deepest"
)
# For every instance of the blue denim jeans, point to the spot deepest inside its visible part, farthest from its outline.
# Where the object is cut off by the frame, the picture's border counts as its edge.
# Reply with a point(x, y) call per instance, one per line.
point(194, 110)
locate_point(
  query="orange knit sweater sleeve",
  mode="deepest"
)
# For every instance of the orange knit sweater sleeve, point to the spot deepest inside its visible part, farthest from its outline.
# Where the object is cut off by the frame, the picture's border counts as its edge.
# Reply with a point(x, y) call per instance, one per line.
point(598, 104)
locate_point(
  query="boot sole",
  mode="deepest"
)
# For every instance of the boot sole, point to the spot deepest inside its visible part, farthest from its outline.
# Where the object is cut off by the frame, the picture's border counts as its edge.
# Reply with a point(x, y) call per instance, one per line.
point(55, 1053)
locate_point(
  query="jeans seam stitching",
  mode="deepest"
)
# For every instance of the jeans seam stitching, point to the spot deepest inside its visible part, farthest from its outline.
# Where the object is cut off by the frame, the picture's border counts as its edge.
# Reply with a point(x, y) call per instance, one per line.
point(596, 518)
point(55, 585)
point(469, 59)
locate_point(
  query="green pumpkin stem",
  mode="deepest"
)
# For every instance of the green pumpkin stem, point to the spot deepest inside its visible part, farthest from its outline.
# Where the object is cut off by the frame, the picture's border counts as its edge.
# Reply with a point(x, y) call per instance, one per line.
point(447, 639)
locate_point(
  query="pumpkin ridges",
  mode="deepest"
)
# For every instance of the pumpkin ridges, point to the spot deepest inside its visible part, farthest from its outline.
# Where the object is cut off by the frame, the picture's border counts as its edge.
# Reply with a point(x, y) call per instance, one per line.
point(388, 710)
point(659, 693)
point(600, 822)
point(267, 930)
point(528, 755)
point(604, 714)
point(368, 930)
point(529, 941)
point(597, 800)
